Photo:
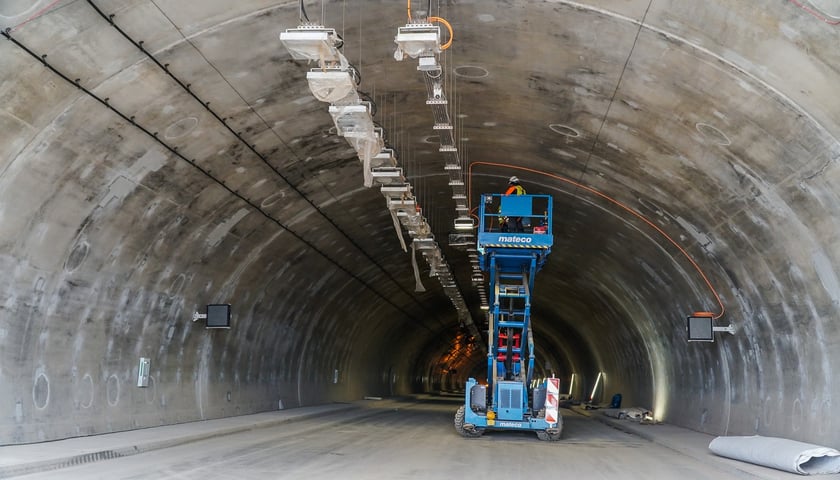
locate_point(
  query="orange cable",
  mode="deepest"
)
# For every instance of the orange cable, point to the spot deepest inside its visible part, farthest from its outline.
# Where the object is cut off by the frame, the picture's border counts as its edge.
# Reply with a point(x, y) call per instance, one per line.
point(448, 27)
point(616, 202)
point(435, 19)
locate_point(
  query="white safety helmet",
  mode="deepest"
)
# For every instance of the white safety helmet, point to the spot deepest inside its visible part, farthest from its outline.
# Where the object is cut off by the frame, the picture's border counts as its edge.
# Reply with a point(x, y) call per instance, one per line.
point(514, 179)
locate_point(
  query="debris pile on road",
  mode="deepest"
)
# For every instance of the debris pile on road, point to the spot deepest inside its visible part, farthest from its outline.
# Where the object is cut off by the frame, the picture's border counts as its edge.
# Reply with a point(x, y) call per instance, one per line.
point(643, 416)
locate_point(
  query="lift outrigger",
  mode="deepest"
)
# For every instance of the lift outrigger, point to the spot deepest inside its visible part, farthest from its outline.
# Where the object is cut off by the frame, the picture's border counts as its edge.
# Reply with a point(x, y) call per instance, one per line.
point(512, 399)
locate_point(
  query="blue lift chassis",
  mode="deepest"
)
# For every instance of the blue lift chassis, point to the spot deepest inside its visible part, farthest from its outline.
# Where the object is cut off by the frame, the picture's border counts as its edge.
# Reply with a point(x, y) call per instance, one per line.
point(511, 399)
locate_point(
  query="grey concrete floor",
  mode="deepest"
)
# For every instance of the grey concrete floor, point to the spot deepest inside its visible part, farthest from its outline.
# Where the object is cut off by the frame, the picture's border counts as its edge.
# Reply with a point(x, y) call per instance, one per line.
point(415, 439)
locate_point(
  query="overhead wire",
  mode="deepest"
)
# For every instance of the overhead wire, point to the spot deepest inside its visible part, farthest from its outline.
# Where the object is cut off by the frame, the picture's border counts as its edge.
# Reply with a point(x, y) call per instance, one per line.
point(580, 185)
point(614, 94)
point(302, 14)
point(361, 33)
point(431, 19)
point(621, 205)
point(252, 148)
point(174, 150)
point(448, 27)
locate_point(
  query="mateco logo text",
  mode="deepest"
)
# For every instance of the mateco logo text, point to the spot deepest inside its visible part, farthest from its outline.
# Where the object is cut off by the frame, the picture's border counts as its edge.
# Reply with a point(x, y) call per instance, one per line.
point(514, 238)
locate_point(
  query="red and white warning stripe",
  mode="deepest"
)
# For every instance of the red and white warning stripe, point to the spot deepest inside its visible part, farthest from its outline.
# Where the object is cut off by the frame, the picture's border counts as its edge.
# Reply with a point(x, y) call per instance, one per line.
point(552, 400)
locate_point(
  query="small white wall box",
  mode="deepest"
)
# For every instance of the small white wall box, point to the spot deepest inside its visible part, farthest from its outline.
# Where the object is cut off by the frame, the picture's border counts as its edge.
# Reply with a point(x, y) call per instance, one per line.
point(218, 316)
point(143, 372)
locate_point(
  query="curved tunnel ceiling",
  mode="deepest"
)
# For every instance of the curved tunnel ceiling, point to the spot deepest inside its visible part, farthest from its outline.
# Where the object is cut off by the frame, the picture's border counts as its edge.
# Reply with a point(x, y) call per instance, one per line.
point(128, 202)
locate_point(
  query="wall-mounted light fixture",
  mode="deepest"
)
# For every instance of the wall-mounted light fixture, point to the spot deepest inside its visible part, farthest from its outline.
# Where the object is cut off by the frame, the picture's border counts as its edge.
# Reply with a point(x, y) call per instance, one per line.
point(215, 316)
point(595, 388)
point(700, 327)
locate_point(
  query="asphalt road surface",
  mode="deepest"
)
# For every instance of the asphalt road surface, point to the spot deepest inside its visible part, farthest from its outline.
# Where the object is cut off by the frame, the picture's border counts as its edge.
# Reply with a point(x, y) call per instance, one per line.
point(407, 440)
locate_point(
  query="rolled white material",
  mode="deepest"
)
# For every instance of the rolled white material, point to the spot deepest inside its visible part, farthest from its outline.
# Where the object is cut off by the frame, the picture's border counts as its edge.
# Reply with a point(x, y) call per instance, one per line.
point(779, 453)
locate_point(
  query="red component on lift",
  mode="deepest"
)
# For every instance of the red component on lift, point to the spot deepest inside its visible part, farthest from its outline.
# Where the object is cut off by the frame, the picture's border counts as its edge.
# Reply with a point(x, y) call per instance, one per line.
point(502, 349)
point(517, 340)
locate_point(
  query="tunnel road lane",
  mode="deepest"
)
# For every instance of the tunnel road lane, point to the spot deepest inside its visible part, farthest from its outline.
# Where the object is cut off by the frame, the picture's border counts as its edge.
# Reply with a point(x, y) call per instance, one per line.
point(415, 439)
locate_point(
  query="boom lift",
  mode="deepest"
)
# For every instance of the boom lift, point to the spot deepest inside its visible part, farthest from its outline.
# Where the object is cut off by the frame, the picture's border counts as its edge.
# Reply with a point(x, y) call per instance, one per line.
point(512, 399)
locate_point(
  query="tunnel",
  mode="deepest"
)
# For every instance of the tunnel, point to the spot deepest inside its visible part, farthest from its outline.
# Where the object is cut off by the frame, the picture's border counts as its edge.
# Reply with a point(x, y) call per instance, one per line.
point(161, 156)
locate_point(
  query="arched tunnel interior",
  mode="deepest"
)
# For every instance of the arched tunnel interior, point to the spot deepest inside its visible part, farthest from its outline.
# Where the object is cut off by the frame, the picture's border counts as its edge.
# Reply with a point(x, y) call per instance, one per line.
point(159, 156)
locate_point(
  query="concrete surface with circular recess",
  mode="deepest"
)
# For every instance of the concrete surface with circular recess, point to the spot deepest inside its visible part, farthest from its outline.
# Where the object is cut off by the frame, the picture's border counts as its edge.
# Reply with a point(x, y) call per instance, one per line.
point(130, 200)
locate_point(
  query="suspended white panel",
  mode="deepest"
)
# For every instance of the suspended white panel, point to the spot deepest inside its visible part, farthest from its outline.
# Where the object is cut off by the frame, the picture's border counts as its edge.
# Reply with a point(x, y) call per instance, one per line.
point(331, 85)
point(385, 158)
point(416, 40)
point(425, 243)
point(312, 42)
point(464, 223)
point(387, 175)
point(353, 121)
point(392, 189)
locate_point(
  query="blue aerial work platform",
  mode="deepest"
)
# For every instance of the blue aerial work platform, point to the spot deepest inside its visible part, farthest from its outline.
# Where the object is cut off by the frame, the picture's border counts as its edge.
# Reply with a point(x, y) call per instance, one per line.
point(514, 239)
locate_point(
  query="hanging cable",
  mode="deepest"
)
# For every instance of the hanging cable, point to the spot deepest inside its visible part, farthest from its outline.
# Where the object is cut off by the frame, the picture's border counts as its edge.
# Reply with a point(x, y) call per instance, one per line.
point(252, 148)
point(174, 151)
point(614, 94)
point(302, 13)
point(615, 202)
point(354, 72)
point(448, 27)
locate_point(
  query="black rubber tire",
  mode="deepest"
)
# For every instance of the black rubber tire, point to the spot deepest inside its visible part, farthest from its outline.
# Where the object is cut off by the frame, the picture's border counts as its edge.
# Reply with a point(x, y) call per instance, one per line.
point(549, 437)
point(459, 425)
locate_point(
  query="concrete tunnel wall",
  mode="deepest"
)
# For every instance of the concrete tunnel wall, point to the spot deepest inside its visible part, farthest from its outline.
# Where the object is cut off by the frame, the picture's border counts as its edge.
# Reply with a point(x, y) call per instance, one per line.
point(718, 121)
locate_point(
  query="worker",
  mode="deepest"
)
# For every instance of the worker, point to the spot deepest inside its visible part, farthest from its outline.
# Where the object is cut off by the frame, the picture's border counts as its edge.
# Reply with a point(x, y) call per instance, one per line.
point(514, 188)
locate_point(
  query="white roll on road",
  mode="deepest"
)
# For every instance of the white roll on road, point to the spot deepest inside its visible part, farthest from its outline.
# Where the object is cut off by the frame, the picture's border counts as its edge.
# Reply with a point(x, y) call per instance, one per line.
point(779, 453)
